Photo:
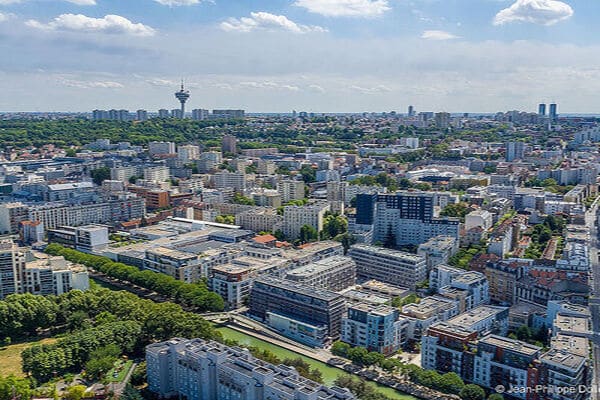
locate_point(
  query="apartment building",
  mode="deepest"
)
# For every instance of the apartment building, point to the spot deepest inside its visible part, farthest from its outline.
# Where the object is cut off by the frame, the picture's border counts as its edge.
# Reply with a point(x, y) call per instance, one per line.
point(206, 370)
point(291, 190)
point(405, 217)
point(438, 250)
point(295, 217)
point(376, 328)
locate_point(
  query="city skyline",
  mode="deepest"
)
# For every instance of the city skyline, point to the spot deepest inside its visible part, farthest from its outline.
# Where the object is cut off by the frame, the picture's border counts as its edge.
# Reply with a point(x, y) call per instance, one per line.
point(311, 55)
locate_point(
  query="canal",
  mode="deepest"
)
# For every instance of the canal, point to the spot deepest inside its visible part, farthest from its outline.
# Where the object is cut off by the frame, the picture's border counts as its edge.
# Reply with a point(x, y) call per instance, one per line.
point(329, 373)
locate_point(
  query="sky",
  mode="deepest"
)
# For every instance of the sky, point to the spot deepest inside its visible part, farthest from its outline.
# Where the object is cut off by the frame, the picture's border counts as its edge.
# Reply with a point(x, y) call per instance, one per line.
point(304, 55)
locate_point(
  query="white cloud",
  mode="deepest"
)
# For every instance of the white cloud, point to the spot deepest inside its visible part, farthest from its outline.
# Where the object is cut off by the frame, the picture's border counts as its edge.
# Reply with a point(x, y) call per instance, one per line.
point(267, 21)
point(112, 24)
point(438, 35)
point(83, 2)
point(316, 88)
point(161, 82)
point(173, 3)
point(269, 85)
point(371, 90)
point(77, 2)
point(90, 84)
point(6, 16)
point(543, 12)
point(345, 8)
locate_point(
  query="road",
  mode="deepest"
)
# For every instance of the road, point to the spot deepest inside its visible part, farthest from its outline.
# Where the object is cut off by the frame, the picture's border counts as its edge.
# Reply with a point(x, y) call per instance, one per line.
point(591, 218)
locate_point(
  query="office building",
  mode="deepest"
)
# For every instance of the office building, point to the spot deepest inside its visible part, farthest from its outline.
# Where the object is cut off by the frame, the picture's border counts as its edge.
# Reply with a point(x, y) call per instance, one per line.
point(411, 111)
point(201, 370)
point(306, 314)
point(89, 238)
point(163, 113)
point(229, 144)
point(389, 266)
point(333, 273)
point(376, 328)
point(515, 151)
point(542, 110)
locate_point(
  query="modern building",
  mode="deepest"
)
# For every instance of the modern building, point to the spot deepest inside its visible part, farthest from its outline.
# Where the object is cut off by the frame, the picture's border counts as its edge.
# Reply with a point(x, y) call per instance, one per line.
point(226, 179)
point(376, 328)
point(389, 266)
point(141, 115)
point(53, 276)
point(306, 314)
point(228, 114)
point(202, 370)
point(88, 238)
point(199, 114)
point(405, 217)
point(333, 273)
point(542, 110)
point(553, 114)
point(485, 320)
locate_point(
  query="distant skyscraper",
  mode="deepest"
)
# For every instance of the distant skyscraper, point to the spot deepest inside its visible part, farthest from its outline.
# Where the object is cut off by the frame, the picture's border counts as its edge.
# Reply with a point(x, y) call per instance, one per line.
point(442, 120)
point(183, 96)
point(199, 114)
point(141, 115)
point(176, 113)
point(553, 112)
point(162, 113)
point(542, 110)
point(411, 111)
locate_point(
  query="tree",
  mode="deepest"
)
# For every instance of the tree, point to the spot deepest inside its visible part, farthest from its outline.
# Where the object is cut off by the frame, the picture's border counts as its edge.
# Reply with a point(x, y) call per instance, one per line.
point(12, 387)
point(308, 234)
point(138, 376)
point(101, 361)
point(495, 396)
point(75, 392)
point(472, 392)
point(524, 333)
point(308, 173)
point(457, 210)
point(99, 175)
point(340, 348)
point(130, 393)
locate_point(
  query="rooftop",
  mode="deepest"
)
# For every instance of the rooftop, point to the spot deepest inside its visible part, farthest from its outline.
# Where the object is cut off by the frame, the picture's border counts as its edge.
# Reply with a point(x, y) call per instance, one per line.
point(511, 344)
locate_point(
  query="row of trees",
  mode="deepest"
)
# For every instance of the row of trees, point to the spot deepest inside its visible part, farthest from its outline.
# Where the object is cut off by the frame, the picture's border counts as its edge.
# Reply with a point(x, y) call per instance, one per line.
point(70, 353)
point(194, 295)
point(447, 383)
point(97, 318)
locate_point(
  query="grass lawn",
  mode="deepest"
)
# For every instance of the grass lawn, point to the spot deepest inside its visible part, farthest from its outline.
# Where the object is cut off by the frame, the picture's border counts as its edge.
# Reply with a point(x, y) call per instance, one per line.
point(126, 366)
point(99, 283)
point(11, 356)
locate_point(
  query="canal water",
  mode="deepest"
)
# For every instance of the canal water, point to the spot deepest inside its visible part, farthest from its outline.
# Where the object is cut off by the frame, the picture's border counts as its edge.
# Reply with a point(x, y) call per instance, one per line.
point(329, 373)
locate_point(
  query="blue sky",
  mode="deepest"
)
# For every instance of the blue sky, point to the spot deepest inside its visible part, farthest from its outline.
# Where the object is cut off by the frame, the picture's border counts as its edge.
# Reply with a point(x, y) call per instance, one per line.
point(312, 55)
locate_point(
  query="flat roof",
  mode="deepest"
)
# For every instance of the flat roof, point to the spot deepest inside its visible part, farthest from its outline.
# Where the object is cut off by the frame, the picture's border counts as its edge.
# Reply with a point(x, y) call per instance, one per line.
point(511, 344)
